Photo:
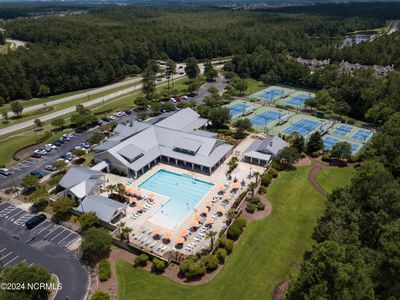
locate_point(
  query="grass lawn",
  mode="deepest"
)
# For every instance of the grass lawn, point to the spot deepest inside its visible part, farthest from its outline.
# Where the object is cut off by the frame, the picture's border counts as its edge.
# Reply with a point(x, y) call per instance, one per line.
point(254, 86)
point(330, 179)
point(268, 252)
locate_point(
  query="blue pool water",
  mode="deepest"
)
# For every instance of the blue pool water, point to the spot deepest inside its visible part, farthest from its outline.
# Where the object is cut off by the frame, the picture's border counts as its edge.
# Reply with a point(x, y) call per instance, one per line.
point(184, 193)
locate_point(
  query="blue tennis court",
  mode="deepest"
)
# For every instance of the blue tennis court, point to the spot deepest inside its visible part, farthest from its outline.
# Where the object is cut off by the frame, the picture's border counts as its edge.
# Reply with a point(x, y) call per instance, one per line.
point(271, 94)
point(329, 142)
point(362, 135)
point(237, 108)
point(303, 127)
point(265, 118)
point(299, 99)
point(342, 130)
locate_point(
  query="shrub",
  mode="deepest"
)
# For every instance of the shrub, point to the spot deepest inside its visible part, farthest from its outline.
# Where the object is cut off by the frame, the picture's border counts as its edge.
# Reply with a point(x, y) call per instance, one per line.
point(96, 243)
point(273, 173)
point(277, 166)
point(234, 232)
point(326, 157)
point(260, 206)
point(221, 254)
point(262, 189)
point(226, 244)
point(241, 222)
point(250, 208)
point(55, 180)
point(192, 268)
point(88, 220)
point(141, 260)
point(62, 206)
point(100, 296)
point(266, 180)
point(255, 200)
point(104, 270)
point(351, 121)
point(211, 262)
point(158, 265)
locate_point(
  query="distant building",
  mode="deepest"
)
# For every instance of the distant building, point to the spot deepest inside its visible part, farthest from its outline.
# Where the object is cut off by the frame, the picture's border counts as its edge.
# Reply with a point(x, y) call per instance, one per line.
point(81, 182)
point(261, 152)
point(314, 64)
point(177, 140)
point(381, 71)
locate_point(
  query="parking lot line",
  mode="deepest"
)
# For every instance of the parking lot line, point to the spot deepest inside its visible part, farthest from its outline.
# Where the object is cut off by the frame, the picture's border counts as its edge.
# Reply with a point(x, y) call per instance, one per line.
point(59, 242)
point(71, 242)
point(39, 226)
point(11, 216)
point(3, 257)
point(62, 230)
point(6, 211)
point(2, 250)
point(51, 232)
point(11, 261)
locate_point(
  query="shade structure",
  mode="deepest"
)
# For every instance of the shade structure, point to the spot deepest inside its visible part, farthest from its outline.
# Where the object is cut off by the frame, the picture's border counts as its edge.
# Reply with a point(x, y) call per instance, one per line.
point(157, 230)
point(226, 197)
point(139, 207)
point(179, 240)
point(184, 232)
point(198, 218)
point(209, 221)
point(236, 185)
point(132, 199)
point(168, 235)
point(151, 195)
point(220, 209)
point(221, 188)
point(195, 223)
point(129, 189)
point(208, 202)
point(204, 210)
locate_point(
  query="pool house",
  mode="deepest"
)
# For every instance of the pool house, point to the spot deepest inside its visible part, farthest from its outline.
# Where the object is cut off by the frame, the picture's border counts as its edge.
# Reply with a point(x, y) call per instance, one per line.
point(177, 140)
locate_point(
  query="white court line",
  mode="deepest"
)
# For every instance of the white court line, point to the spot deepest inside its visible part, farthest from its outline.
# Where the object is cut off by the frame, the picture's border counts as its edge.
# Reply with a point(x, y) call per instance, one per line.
point(51, 231)
point(6, 255)
point(11, 260)
point(58, 234)
point(64, 238)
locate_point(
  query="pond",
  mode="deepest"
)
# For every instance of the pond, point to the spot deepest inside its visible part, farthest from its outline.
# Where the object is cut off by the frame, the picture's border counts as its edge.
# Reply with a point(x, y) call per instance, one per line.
point(357, 38)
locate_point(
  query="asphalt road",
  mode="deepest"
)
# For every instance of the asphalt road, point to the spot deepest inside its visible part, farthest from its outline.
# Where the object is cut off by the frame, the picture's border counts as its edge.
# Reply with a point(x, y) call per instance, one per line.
point(15, 243)
point(203, 92)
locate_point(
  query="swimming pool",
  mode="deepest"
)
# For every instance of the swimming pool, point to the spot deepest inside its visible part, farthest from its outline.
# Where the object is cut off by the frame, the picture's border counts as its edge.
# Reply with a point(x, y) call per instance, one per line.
point(184, 193)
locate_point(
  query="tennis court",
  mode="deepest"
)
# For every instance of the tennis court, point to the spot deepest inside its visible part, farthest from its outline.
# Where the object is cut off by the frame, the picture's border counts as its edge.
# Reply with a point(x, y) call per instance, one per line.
point(329, 142)
point(362, 135)
point(237, 108)
point(298, 100)
point(271, 94)
point(303, 127)
point(342, 130)
point(265, 118)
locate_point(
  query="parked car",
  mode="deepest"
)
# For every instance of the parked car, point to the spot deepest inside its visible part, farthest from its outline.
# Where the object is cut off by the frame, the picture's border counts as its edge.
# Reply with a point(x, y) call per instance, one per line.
point(57, 143)
point(5, 171)
point(85, 145)
point(181, 73)
point(36, 155)
point(37, 174)
point(49, 147)
point(184, 97)
point(128, 112)
point(173, 100)
point(49, 168)
point(78, 148)
point(35, 221)
point(64, 160)
point(41, 151)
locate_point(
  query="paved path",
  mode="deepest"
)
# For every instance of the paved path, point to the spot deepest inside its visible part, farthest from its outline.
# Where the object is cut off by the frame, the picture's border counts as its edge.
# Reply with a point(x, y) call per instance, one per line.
point(312, 176)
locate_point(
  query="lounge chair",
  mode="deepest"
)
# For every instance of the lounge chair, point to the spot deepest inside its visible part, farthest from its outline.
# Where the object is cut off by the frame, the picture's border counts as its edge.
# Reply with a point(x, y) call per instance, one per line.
point(153, 244)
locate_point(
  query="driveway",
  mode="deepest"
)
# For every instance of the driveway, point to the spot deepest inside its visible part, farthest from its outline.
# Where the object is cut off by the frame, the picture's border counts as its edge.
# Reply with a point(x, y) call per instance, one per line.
point(18, 244)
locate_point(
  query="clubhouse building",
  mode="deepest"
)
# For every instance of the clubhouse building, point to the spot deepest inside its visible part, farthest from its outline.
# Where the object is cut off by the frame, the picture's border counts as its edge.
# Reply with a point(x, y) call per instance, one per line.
point(135, 148)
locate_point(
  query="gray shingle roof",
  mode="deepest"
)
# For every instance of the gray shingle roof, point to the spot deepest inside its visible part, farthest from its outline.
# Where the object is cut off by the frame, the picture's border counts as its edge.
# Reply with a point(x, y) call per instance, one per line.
point(77, 175)
point(131, 152)
point(272, 145)
point(104, 207)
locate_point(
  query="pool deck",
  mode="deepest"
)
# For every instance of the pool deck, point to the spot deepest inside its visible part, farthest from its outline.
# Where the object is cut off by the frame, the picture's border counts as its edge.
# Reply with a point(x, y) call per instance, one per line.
point(144, 228)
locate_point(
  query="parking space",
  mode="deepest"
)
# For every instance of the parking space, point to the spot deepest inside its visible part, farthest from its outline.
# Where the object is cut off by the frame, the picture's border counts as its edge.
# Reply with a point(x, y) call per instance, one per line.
point(9, 257)
point(47, 230)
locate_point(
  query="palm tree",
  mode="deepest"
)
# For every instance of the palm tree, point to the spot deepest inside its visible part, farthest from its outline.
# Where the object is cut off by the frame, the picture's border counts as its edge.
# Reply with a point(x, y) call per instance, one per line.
point(211, 235)
point(124, 231)
point(120, 189)
point(252, 187)
point(257, 176)
point(230, 214)
point(111, 188)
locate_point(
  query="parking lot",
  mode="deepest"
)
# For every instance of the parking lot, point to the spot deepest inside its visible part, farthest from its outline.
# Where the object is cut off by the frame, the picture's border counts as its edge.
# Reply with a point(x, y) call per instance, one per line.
point(47, 230)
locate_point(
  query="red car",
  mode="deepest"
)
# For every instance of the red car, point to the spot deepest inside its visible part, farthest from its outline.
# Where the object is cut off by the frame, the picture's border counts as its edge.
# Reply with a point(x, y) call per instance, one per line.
point(36, 155)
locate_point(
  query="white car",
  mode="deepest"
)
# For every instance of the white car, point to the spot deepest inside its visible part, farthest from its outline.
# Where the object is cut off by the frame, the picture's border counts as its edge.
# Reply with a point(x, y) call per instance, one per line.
point(41, 151)
point(173, 100)
point(5, 171)
point(78, 148)
point(50, 146)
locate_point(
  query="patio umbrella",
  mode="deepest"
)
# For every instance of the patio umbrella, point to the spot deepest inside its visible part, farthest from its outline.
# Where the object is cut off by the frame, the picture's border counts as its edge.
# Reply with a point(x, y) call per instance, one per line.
point(157, 231)
point(208, 202)
point(168, 235)
point(132, 199)
point(198, 218)
point(128, 189)
point(179, 240)
point(195, 223)
point(236, 185)
point(139, 207)
point(184, 232)
point(209, 221)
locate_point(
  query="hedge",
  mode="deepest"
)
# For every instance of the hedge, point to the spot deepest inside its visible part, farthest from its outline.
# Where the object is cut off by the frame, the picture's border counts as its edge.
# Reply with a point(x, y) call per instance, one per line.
point(104, 270)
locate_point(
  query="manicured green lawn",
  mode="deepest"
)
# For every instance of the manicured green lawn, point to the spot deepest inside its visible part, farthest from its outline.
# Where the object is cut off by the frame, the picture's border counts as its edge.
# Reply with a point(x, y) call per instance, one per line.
point(330, 179)
point(254, 86)
point(269, 251)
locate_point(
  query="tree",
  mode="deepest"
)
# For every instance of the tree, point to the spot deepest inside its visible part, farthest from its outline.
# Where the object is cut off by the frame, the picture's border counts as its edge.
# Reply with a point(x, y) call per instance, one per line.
point(156, 107)
point(158, 265)
point(211, 236)
point(4, 114)
point(211, 262)
point(219, 116)
point(288, 156)
point(192, 68)
point(16, 107)
point(221, 254)
point(212, 90)
point(96, 243)
point(242, 125)
point(209, 71)
point(341, 150)
point(59, 165)
point(141, 102)
point(297, 142)
point(30, 182)
point(341, 108)
point(98, 295)
point(97, 138)
point(230, 215)
point(38, 123)
point(78, 152)
point(24, 274)
point(111, 188)
point(170, 70)
point(233, 163)
point(124, 231)
point(149, 83)
point(58, 123)
point(141, 260)
point(62, 206)
point(252, 187)
point(88, 220)
point(83, 118)
point(315, 143)
point(43, 90)
point(241, 86)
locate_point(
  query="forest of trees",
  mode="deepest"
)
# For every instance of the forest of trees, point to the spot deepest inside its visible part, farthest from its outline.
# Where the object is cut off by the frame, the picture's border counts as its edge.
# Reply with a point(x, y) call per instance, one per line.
point(106, 44)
